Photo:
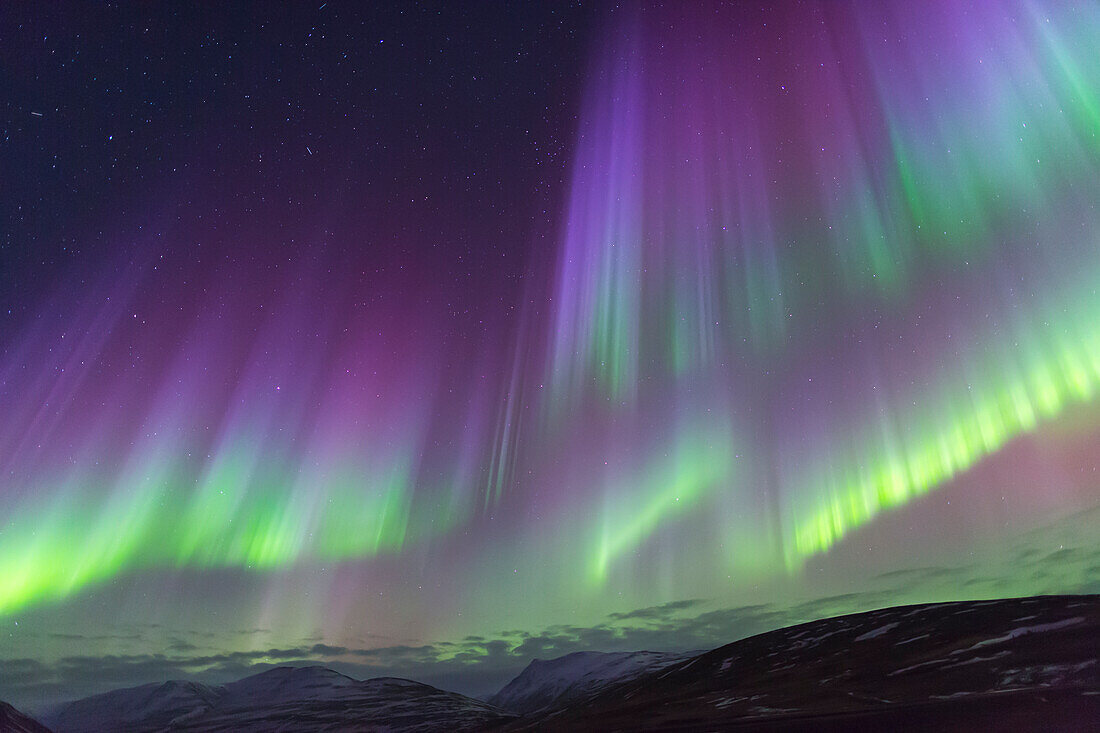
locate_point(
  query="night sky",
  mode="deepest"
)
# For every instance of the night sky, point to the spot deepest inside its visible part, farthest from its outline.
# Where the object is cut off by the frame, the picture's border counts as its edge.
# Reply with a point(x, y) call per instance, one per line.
point(427, 339)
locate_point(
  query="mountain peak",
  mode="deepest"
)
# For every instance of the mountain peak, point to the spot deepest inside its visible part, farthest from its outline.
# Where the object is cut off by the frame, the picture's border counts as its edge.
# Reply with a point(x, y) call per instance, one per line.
point(289, 682)
point(296, 672)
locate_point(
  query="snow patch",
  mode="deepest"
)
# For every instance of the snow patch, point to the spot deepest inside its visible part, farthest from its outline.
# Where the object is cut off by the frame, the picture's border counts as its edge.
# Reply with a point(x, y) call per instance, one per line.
point(916, 666)
point(1022, 630)
point(875, 633)
point(915, 638)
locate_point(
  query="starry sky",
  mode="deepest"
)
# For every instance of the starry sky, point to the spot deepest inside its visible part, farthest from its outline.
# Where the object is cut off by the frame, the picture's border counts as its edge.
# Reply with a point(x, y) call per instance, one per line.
point(430, 338)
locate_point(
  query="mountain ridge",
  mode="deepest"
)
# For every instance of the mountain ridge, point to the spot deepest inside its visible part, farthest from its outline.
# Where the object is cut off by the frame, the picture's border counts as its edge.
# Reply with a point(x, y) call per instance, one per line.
point(1027, 663)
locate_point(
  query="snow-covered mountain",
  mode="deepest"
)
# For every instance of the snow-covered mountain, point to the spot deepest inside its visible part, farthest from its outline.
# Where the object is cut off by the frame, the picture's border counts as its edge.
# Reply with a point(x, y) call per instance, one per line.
point(152, 706)
point(545, 685)
point(13, 721)
point(284, 699)
point(288, 683)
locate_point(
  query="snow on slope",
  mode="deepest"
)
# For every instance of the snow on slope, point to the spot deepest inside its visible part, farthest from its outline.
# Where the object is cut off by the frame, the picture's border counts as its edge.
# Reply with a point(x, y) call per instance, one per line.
point(13, 721)
point(557, 682)
point(288, 683)
point(149, 706)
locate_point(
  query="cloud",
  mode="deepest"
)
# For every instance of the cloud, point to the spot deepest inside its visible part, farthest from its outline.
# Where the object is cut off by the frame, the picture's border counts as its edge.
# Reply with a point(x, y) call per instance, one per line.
point(95, 637)
point(658, 612)
point(916, 574)
point(15, 671)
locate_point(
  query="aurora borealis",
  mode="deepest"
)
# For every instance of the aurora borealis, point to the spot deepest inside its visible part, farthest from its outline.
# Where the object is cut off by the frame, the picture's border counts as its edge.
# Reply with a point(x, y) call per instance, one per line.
point(431, 326)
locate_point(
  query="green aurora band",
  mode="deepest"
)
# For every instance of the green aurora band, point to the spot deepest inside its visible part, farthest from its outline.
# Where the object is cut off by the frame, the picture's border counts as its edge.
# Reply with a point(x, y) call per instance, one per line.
point(709, 264)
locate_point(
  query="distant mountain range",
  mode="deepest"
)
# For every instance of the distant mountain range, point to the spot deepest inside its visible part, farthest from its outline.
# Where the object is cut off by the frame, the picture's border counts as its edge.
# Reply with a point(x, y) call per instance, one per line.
point(284, 699)
point(1019, 664)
